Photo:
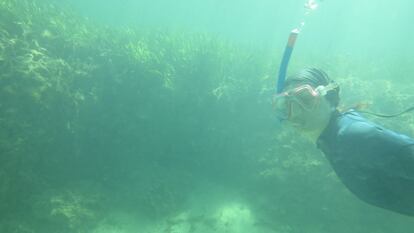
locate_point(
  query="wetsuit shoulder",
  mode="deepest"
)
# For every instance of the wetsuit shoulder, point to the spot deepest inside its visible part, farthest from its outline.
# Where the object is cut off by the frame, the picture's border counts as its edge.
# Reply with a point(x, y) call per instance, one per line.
point(353, 125)
point(375, 147)
point(375, 163)
point(355, 128)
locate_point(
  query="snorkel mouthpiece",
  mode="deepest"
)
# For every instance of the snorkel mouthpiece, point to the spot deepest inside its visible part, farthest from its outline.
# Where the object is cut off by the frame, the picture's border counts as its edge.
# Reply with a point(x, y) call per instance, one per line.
point(285, 60)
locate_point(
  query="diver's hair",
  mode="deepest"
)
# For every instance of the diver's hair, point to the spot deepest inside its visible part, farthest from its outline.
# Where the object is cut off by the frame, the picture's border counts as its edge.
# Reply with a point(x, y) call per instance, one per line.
point(314, 77)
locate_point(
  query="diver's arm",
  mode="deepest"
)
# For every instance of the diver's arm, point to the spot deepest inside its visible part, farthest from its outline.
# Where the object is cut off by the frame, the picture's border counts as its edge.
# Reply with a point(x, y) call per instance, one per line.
point(408, 151)
point(407, 159)
point(380, 150)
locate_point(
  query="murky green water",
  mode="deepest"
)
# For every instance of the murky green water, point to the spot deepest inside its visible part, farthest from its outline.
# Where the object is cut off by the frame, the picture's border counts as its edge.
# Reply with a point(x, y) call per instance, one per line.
point(155, 116)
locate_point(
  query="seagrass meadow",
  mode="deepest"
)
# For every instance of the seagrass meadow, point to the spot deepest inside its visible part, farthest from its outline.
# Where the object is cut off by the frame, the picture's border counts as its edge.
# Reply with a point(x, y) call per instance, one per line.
point(117, 120)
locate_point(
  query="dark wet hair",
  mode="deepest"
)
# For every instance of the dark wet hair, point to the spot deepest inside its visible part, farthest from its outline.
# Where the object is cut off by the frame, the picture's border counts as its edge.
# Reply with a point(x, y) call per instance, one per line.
point(314, 77)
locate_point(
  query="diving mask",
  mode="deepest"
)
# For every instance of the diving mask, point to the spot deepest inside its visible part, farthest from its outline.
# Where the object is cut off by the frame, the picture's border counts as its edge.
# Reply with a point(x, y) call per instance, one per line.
point(305, 96)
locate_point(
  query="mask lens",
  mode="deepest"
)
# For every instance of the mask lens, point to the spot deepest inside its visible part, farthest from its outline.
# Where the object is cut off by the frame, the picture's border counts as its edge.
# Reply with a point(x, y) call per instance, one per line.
point(306, 97)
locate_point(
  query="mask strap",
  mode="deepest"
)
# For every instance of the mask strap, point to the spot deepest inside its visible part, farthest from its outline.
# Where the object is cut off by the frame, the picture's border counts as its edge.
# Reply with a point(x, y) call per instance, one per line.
point(323, 90)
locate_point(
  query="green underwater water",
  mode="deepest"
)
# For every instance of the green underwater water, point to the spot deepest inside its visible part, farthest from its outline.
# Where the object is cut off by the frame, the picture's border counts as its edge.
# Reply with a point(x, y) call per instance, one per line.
point(156, 117)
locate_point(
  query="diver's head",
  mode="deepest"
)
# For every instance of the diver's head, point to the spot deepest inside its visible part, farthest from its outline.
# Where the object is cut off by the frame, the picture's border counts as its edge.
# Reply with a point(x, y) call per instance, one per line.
point(308, 100)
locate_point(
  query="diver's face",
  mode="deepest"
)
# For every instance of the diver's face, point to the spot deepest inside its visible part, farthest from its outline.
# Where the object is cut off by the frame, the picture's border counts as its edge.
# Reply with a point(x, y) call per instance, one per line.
point(311, 119)
point(297, 115)
point(304, 107)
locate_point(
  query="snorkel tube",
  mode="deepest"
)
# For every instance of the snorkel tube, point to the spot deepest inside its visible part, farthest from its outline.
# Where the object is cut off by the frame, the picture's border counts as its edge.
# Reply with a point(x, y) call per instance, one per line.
point(285, 60)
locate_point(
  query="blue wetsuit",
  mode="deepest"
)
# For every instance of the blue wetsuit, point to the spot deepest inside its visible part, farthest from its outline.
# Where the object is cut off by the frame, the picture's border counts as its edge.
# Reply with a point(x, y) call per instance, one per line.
point(374, 163)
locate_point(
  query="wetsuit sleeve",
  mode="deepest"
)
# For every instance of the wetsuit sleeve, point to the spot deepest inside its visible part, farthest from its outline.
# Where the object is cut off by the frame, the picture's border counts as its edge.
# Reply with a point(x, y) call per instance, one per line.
point(407, 159)
point(380, 150)
point(376, 164)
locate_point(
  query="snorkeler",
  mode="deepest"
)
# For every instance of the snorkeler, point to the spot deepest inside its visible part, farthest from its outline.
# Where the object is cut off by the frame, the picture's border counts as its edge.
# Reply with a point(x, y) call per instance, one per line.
point(374, 163)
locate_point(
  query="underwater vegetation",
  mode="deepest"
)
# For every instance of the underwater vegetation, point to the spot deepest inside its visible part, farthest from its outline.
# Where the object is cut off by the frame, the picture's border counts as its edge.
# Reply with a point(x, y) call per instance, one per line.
point(97, 121)
point(86, 110)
